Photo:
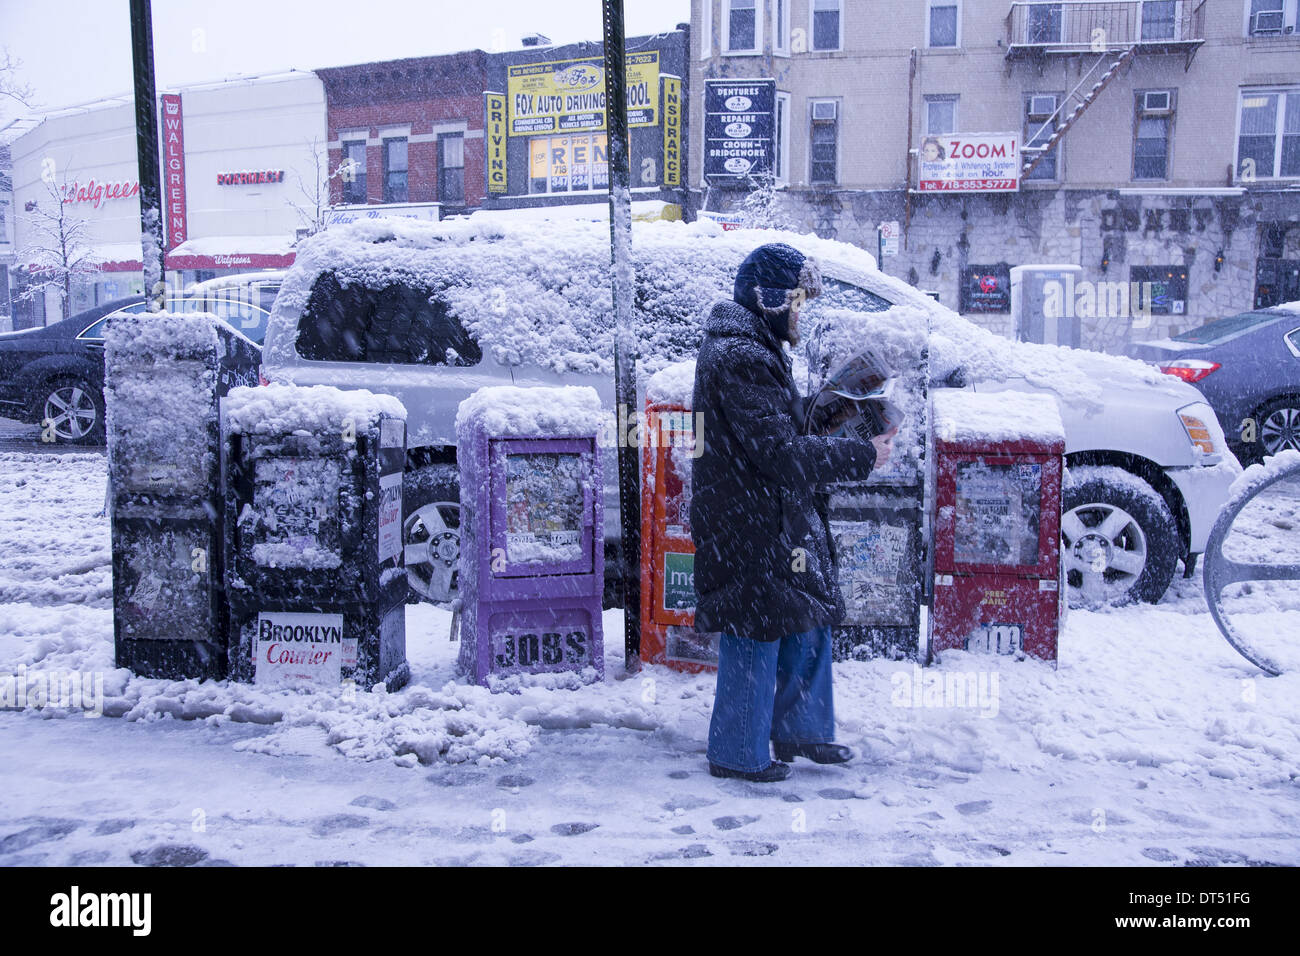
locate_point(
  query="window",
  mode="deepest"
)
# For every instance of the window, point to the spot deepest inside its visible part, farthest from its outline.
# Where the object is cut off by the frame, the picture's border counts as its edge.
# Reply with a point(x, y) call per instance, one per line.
point(740, 26)
point(943, 26)
point(354, 172)
point(706, 33)
point(826, 24)
point(823, 141)
point(940, 115)
point(1152, 134)
point(782, 137)
point(1159, 19)
point(1044, 23)
point(563, 164)
point(1163, 287)
point(1266, 18)
point(1268, 141)
point(398, 323)
point(781, 27)
point(1293, 342)
point(395, 170)
point(1040, 124)
point(451, 168)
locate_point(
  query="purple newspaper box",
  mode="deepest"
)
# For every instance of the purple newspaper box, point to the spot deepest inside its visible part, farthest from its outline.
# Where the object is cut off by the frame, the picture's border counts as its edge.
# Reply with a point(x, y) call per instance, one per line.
point(532, 562)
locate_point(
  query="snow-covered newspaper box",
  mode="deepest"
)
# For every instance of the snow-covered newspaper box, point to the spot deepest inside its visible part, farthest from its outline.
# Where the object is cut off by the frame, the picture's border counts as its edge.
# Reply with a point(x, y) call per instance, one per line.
point(997, 463)
point(670, 440)
point(314, 563)
point(532, 562)
point(164, 375)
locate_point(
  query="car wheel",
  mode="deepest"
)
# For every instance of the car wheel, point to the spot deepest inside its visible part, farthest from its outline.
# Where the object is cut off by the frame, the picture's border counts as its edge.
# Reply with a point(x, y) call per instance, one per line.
point(1279, 427)
point(1119, 539)
point(431, 532)
point(72, 412)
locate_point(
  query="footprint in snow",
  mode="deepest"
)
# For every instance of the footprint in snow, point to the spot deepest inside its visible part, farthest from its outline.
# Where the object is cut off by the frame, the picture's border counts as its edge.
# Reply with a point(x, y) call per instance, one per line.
point(974, 807)
point(340, 821)
point(107, 827)
point(732, 823)
point(170, 854)
point(679, 774)
point(513, 781)
point(684, 830)
point(374, 803)
point(53, 830)
point(573, 829)
point(838, 793)
point(753, 848)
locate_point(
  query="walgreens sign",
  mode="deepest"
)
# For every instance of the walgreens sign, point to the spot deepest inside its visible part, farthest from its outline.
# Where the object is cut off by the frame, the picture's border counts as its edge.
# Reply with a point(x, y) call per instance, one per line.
point(96, 193)
point(177, 223)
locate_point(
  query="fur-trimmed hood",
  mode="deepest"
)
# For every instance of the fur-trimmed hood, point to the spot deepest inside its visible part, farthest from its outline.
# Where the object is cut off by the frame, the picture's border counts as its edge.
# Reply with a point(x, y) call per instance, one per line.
point(772, 279)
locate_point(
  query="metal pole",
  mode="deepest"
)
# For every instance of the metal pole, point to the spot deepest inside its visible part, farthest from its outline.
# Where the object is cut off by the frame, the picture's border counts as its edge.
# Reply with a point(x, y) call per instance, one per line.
point(146, 147)
point(620, 238)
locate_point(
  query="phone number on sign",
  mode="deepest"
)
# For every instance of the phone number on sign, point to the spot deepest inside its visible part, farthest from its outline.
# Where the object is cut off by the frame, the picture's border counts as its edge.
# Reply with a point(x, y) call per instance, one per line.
point(932, 185)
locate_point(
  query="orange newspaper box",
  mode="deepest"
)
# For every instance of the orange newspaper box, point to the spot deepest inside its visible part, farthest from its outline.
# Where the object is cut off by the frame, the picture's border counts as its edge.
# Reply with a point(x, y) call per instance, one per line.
point(670, 441)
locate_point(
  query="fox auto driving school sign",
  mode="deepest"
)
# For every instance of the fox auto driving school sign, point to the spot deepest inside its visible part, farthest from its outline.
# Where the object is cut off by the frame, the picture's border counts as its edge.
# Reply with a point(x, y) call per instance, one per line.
point(568, 96)
point(977, 163)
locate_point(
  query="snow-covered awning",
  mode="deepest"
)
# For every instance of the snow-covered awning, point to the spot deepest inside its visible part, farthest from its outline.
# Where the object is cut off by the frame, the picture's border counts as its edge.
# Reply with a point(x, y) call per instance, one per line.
point(213, 252)
point(646, 210)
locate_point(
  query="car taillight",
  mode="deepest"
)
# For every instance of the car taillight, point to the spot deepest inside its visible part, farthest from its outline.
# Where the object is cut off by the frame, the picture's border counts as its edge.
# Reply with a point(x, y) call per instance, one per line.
point(1190, 370)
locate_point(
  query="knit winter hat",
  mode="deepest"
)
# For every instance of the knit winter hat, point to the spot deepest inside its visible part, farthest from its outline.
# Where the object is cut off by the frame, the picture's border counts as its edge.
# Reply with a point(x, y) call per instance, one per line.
point(771, 279)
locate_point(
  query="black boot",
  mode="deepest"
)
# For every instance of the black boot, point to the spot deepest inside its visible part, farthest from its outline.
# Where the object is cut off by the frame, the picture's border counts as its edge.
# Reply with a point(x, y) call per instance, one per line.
point(817, 753)
point(772, 773)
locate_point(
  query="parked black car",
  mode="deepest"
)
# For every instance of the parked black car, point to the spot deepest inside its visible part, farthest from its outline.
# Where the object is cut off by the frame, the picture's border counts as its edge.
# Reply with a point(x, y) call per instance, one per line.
point(54, 376)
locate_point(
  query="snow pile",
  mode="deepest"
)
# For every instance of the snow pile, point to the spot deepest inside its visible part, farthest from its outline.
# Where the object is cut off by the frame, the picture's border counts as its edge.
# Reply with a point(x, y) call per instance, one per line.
point(313, 409)
point(143, 337)
point(672, 385)
point(1289, 306)
point(961, 416)
point(1252, 478)
point(504, 411)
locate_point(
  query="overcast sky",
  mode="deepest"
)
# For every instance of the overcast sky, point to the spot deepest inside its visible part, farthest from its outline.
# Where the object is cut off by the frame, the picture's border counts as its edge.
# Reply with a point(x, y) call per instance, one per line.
point(74, 51)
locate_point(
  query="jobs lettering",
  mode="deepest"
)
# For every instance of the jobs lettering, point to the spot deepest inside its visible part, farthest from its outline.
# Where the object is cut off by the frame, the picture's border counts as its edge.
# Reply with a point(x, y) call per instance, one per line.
point(548, 649)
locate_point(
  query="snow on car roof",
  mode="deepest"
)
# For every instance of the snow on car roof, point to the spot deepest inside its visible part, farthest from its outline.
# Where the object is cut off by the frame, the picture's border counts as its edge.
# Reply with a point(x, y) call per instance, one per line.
point(961, 416)
point(539, 292)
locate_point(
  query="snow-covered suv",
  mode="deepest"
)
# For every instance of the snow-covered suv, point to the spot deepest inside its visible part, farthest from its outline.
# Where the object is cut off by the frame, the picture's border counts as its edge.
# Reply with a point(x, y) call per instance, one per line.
point(430, 312)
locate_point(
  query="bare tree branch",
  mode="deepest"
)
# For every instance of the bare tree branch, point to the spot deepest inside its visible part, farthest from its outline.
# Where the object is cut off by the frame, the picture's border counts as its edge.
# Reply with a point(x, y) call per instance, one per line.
point(23, 93)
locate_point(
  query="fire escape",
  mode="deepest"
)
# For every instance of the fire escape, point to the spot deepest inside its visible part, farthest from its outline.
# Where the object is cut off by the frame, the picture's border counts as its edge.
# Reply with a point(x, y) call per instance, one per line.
point(1109, 36)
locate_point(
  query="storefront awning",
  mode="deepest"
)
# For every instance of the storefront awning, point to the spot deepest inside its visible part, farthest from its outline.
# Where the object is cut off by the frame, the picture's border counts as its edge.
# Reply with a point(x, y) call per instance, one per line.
point(216, 252)
point(646, 210)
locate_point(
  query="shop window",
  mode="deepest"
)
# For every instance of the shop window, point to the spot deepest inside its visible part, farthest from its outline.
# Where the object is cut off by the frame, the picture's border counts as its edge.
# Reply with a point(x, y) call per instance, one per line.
point(1268, 141)
point(1165, 287)
point(451, 168)
point(353, 172)
point(1152, 134)
point(940, 115)
point(943, 23)
point(823, 139)
point(395, 169)
point(826, 24)
point(567, 164)
point(740, 26)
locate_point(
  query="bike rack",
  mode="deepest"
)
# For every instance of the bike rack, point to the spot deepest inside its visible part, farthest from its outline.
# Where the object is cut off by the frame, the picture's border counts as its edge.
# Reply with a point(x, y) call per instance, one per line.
point(1221, 572)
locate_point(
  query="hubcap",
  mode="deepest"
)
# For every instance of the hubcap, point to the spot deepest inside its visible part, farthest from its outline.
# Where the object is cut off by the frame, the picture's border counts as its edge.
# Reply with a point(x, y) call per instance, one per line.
point(1105, 553)
point(70, 412)
point(432, 552)
point(1281, 431)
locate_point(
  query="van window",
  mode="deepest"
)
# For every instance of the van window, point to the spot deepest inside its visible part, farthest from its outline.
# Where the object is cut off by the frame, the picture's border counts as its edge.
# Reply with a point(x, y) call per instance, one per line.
point(398, 324)
point(841, 295)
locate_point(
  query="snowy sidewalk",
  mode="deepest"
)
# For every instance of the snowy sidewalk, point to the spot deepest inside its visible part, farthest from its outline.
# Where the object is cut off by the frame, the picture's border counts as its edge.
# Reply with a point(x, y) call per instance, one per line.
point(1152, 743)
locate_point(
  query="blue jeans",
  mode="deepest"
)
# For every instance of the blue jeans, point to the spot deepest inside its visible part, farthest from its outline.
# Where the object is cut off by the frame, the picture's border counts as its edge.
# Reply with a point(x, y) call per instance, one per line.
point(770, 690)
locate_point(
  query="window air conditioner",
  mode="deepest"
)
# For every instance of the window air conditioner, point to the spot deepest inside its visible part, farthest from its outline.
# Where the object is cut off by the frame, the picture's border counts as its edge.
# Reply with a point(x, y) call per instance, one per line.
point(824, 109)
point(1266, 21)
point(1157, 102)
point(1041, 107)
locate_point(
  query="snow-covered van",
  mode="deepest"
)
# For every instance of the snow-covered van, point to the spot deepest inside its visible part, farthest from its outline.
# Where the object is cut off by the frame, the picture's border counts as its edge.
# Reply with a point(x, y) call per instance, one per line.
point(430, 312)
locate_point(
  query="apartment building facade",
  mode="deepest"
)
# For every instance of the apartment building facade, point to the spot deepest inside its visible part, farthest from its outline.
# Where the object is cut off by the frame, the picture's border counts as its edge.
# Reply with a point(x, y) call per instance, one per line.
point(1157, 142)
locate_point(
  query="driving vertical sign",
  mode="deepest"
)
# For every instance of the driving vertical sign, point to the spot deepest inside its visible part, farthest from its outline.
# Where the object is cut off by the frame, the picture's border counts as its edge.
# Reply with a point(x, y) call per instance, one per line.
point(738, 129)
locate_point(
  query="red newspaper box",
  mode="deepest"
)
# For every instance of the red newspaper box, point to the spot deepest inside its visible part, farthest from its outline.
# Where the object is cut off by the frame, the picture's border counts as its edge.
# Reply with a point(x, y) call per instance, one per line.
point(669, 443)
point(997, 461)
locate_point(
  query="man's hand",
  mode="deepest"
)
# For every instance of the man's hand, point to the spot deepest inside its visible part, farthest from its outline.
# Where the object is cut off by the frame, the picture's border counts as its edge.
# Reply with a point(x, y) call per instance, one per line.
point(884, 445)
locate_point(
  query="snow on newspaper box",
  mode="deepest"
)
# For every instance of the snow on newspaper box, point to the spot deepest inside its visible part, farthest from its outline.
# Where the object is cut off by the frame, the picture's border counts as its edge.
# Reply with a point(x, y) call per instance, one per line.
point(164, 375)
point(314, 566)
point(997, 493)
point(532, 563)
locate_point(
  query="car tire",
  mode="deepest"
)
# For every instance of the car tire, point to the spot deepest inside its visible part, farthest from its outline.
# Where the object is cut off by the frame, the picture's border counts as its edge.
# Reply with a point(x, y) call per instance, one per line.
point(1277, 429)
point(71, 412)
point(431, 532)
point(1119, 538)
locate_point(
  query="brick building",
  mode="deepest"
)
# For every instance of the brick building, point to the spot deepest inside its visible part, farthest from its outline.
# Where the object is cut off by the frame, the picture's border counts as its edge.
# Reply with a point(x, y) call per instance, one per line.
point(407, 134)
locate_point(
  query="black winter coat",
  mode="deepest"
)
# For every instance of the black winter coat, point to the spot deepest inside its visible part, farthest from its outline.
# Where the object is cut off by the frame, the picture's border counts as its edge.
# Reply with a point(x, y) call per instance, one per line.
point(764, 560)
